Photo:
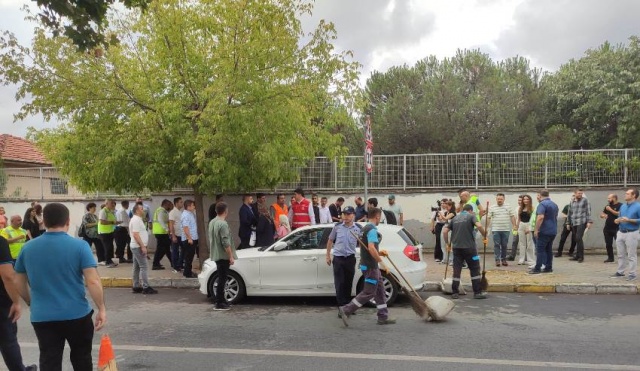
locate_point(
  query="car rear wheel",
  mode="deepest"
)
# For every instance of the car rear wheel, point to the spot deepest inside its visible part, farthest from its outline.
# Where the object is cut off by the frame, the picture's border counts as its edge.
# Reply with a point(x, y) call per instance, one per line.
point(391, 289)
point(234, 289)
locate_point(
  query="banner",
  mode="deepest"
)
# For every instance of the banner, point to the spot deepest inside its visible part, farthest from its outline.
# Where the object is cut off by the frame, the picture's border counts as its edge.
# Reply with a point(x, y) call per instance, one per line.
point(368, 151)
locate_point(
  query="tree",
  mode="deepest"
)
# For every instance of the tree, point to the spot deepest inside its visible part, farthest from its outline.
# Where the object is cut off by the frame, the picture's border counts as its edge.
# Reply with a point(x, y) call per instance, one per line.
point(215, 96)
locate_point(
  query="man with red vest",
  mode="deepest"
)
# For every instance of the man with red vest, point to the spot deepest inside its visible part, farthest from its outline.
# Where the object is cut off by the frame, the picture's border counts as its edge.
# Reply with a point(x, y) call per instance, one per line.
point(279, 208)
point(301, 212)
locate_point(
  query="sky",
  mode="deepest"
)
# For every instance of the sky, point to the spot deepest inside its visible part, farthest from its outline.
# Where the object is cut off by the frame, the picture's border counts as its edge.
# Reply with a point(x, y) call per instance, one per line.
point(386, 33)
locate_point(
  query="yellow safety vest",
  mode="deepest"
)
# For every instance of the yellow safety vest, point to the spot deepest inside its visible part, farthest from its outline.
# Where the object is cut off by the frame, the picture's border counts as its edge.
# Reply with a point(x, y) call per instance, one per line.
point(16, 246)
point(107, 228)
point(157, 227)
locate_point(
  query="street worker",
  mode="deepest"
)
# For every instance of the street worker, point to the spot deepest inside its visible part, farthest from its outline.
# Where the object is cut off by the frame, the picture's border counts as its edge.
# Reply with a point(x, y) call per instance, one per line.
point(344, 245)
point(370, 264)
point(464, 249)
point(15, 235)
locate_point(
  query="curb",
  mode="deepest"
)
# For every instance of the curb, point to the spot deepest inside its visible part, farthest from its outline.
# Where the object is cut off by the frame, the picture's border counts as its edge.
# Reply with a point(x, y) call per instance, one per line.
point(181, 283)
point(560, 288)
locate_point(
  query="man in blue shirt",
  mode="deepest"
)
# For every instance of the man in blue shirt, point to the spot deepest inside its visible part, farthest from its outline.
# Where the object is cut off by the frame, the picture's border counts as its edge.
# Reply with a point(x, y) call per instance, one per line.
point(344, 244)
point(628, 236)
point(545, 232)
point(57, 266)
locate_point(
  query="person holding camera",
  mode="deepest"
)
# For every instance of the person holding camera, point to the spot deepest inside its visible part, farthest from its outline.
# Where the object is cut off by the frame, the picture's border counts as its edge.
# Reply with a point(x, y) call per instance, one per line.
point(438, 219)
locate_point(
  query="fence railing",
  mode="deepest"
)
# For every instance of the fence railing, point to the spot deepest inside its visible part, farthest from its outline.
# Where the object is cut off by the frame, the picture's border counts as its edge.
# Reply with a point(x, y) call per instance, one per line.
point(548, 169)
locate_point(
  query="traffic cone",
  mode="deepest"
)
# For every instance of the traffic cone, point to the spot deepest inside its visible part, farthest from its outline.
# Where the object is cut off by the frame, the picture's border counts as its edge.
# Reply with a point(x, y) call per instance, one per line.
point(106, 358)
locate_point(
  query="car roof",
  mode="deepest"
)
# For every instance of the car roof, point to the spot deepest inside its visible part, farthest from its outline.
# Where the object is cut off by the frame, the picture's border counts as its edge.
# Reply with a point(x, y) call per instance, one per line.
point(381, 227)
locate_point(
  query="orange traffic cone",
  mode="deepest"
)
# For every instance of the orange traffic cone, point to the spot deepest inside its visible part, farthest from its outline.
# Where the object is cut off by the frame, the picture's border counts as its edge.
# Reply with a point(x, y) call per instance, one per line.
point(106, 358)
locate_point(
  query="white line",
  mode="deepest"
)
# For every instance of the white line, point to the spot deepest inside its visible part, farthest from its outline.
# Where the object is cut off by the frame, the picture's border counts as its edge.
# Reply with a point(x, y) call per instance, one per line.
point(383, 357)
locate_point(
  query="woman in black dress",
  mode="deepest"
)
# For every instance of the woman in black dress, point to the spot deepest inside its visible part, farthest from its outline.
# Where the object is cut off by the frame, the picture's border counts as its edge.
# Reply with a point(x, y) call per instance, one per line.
point(30, 224)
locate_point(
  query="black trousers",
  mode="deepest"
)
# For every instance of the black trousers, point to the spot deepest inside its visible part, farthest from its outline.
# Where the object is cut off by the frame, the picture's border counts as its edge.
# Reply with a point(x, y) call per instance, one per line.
point(222, 267)
point(107, 243)
point(437, 252)
point(609, 238)
point(163, 248)
point(122, 240)
point(9, 346)
point(99, 248)
point(344, 269)
point(471, 257)
point(578, 232)
point(563, 238)
point(52, 337)
point(189, 253)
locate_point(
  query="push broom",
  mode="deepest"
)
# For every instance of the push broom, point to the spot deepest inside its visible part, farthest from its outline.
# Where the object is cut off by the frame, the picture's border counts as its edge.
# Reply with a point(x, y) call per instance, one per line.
point(484, 283)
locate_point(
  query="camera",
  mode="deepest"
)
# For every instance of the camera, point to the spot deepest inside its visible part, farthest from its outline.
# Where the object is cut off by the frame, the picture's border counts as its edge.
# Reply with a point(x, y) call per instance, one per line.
point(437, 208)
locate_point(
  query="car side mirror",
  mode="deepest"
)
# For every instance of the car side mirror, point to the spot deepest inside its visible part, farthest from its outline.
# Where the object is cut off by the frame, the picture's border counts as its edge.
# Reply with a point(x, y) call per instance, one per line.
point(279, 246)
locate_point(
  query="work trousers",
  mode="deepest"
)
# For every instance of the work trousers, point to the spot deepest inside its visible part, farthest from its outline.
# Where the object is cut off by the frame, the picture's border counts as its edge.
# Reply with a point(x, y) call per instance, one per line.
point(52, 337)
point(578, 232)
point(344, 269)
point(627, 244)
point(609, 238)
point(107, 243)
point(222, 267)
point(9, 346)
point(471, 257)
point(163, 248)
point(373, 289)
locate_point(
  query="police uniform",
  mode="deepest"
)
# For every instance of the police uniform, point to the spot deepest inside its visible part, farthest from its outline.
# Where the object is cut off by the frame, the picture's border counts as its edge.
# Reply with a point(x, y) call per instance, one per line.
point(344, 259)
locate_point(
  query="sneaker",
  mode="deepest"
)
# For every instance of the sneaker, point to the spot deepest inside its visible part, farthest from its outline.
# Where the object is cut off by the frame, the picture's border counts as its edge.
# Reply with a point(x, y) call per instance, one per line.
point(455, 295)
point(480, 296)
point(631, 278)
point(102, 263)
point(157, 268)
point(176, 270)
point(343, 316)
point(438, 260)
point(609, 261)
point(136, 290)
point(31, 368)
point(112, 265)
point(534, 271)
point(617, 275)
point(222, 306)
point(149, 290)
point(387, 321)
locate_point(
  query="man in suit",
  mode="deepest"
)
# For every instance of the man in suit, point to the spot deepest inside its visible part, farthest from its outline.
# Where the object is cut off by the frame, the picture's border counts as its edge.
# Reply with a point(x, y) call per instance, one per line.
point(247, 221)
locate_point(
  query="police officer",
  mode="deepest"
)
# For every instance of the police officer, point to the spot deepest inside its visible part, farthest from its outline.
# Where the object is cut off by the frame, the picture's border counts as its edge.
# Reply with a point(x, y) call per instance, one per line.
point(344, 245)
point(464, 249)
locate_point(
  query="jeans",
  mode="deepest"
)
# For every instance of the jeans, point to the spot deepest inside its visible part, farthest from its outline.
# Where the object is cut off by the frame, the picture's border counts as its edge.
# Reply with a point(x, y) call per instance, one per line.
point(373, 288)
point(189, 253)
point(500, 244)
point(9, 346)
point(344, 268)
point(177, 255)
point(140, 268)
point(107, 243)
point(627, 244)
point(578, 232)
point(609, 238)
point(544, 251)
point(163, 248)
point(222, 267)
point(51, 340)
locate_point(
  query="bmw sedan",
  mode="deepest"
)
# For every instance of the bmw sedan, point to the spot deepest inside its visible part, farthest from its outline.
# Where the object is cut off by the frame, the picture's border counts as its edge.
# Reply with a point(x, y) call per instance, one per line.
point(295, 266)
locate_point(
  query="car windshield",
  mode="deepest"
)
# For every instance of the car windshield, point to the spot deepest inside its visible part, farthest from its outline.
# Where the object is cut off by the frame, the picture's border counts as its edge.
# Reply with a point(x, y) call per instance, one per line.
point(407, 237)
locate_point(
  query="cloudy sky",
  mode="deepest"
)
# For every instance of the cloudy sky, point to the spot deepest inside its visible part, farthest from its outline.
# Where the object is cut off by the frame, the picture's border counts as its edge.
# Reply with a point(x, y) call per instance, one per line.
point(384, 33)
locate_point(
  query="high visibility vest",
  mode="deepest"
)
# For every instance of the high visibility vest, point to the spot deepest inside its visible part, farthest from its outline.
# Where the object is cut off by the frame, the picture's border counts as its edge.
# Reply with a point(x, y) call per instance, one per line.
point(284, 210)
point(15, 247)
point(107, 228)
point(300, 213)
point(157, 227)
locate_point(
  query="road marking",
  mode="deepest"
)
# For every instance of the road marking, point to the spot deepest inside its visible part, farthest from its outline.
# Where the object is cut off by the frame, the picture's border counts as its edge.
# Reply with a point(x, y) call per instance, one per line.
point(382, 357)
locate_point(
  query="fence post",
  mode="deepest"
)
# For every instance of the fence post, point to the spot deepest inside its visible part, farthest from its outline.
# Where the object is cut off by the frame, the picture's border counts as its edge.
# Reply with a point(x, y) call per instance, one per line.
point(41, 184)
point(626, 166)
point(477, 168)
point(546, 169)
point(404, 172)
point(335, 174)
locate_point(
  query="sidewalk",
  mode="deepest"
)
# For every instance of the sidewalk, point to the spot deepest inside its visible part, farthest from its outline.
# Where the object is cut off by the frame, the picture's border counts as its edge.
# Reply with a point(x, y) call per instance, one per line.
point(590, 277)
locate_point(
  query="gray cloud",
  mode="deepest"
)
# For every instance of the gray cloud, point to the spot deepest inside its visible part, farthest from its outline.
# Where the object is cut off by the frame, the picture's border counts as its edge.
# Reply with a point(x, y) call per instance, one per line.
point(551, 32)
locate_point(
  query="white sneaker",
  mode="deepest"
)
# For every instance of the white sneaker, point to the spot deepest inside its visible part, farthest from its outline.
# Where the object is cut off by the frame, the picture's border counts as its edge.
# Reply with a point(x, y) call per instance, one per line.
point(102, 263)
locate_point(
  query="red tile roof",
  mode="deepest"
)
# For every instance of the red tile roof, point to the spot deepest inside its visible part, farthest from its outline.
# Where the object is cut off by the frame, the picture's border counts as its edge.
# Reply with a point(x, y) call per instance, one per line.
point(18, 149)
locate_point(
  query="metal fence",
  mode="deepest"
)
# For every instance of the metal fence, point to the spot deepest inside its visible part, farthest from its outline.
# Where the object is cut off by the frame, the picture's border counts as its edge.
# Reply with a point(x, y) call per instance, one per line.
point(548, 169)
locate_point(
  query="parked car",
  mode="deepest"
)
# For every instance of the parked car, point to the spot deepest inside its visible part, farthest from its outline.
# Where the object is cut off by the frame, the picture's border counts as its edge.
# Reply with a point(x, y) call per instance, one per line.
point(295, 266)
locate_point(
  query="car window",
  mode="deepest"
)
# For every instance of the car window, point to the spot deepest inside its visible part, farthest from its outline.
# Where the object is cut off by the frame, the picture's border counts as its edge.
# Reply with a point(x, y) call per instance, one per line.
point(307, 240)
point(407, 237)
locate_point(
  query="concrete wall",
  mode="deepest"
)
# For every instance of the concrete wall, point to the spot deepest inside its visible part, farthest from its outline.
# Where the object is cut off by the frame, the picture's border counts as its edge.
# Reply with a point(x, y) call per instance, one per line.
point(416, 207)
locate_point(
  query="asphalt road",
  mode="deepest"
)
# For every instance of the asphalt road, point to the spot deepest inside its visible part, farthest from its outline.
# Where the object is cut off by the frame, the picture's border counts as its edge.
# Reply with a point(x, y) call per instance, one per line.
point(178, 330)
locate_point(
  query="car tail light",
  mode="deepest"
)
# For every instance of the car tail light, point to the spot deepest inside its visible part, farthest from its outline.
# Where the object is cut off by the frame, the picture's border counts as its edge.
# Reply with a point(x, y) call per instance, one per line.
point(412, 253)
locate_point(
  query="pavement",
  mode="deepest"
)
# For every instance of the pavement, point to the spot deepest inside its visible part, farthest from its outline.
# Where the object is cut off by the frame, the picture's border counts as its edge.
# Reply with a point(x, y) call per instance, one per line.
point(568, 277)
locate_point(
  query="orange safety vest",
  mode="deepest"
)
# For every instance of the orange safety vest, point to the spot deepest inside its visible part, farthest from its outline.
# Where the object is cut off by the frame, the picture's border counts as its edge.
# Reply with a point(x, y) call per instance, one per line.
point(300, 213)
point(284, 210)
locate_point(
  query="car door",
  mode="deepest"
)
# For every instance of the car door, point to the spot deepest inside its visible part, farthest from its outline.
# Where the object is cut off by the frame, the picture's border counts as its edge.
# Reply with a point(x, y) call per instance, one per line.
point(296, 267)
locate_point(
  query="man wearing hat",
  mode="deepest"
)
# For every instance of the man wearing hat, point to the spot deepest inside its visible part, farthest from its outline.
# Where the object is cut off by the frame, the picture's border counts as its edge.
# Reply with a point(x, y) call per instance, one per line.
point(344, 244)
point(395, 209)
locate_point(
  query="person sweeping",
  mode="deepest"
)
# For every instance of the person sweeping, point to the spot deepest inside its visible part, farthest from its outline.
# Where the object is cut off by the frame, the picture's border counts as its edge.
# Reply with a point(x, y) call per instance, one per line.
point(464, 249)
point(370, 264)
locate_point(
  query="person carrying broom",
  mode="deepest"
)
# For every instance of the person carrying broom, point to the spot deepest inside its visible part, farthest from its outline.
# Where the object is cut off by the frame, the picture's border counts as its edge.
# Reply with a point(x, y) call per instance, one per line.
point(370, 264)
point(464, 249)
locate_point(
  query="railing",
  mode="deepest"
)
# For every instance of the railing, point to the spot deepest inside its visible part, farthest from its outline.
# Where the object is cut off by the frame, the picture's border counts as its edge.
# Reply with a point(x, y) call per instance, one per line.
point(540, 169)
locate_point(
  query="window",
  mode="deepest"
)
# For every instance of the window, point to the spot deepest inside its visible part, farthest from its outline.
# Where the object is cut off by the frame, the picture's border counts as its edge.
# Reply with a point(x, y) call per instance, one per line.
point(307, 240)
point(59, 186)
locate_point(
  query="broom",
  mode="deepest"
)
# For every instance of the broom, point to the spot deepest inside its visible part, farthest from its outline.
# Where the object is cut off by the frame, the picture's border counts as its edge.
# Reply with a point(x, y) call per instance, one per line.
point(484, 284)
point(417, 304)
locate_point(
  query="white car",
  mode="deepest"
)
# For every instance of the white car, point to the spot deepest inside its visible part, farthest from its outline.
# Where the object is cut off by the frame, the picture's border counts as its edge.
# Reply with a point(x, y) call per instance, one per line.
point(296, 266)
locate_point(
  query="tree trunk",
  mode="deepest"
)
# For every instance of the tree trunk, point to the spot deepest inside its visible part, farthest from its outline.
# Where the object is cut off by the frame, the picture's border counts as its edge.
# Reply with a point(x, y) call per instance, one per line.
point(203, 243)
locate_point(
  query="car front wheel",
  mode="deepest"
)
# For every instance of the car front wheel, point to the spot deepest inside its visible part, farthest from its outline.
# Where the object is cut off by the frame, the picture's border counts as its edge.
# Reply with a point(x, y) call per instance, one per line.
point(234, 289)
point(391, 289)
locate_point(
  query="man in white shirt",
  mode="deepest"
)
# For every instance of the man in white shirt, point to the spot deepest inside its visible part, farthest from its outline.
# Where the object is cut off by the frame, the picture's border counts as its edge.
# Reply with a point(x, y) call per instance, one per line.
point(325, 213)
point(139, 242)
point(503, 222)
point(396, 209)
point(122, 233)
point(175, 230)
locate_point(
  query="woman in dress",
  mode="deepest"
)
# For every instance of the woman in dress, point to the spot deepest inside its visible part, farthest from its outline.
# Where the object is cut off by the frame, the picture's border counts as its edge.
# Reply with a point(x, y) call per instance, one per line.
point(30, 224)
point(266, 228)
point(526, 249)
